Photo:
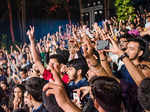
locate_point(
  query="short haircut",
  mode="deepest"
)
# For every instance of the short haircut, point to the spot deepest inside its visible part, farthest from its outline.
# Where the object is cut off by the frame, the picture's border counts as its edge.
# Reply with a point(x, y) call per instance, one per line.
point(24, 70)
point(79, 64)
point(144, 94)
point(142, 46)
point(58, 57)
point(107, 93)
point(64, 53)
point(126, 36)
point(34, 87)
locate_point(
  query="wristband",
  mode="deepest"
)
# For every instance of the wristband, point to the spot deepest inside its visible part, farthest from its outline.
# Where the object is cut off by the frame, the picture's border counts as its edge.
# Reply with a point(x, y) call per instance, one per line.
point(123, 56)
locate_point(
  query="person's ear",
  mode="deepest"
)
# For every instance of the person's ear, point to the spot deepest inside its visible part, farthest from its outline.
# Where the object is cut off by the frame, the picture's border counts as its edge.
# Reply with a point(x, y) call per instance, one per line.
point(140, 53)
point(30, 97)
point(79, 71)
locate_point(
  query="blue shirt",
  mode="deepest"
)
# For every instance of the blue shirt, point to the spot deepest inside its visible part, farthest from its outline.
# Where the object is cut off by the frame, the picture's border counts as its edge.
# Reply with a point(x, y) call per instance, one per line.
point(3, 78)
point(72, 86)
point(124, 75)
point(41, 108)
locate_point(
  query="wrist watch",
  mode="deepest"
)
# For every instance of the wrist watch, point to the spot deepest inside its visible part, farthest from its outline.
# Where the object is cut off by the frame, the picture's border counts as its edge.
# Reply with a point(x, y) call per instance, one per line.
point(123, 56)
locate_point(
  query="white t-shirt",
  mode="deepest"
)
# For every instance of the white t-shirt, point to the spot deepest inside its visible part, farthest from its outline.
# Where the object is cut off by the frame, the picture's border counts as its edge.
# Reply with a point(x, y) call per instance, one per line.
point(147, 25)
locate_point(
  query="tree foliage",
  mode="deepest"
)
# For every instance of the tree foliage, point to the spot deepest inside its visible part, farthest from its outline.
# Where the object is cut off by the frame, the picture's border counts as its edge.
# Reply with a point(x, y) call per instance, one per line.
point(6, 42)
point(124, 9)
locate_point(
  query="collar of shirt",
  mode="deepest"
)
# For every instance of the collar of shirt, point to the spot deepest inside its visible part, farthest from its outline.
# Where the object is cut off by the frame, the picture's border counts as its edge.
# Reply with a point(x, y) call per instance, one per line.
point(38, 109)
point(81, 83)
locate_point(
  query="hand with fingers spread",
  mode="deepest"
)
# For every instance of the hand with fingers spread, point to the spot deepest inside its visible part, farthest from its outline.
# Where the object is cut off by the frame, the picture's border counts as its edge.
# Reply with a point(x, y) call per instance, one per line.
point(30, 33)
point(87, 47)
point(115, 48)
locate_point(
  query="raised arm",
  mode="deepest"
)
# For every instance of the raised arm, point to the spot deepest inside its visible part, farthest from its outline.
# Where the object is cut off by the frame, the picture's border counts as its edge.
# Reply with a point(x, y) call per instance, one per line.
point(93, 64)
point(134, 71)
point(18, 48)
point(36, 57)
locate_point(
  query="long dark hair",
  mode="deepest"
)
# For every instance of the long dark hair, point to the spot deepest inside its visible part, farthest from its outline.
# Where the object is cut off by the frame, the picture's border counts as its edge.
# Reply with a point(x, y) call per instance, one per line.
point(21, 87)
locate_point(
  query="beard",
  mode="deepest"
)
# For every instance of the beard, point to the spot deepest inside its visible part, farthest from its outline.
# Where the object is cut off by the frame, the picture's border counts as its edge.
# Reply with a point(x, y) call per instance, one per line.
point(135, 57)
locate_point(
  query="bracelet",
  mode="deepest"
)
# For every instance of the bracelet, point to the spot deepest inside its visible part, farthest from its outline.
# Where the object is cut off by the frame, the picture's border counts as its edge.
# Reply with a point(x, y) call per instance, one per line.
point(123, 56)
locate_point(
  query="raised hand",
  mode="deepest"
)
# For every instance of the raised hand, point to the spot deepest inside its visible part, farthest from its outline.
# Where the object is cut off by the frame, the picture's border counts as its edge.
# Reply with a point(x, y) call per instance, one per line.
point(55, 70)
point(87, 47)
point(115, 48)
point(16, 102)
point(30, 33)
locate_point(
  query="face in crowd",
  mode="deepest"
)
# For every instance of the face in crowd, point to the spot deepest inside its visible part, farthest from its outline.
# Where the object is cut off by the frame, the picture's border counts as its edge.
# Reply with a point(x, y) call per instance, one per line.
point(27, 99)
point(123, 43)
point(18, 92)
point(72, 73)
point(3, 86)
point(133, 50)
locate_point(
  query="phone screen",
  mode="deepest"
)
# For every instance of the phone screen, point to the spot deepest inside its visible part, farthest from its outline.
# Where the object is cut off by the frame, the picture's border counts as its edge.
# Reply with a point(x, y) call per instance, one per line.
point(76, 98)
point(102, 44)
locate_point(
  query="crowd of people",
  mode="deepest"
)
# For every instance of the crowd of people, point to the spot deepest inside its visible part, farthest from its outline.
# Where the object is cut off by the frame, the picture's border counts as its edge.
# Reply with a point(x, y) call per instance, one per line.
point(100, 69)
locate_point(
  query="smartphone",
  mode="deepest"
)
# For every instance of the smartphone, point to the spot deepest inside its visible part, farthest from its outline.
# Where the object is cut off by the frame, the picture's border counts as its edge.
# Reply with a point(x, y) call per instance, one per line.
point(76, 98)
point(102, 44)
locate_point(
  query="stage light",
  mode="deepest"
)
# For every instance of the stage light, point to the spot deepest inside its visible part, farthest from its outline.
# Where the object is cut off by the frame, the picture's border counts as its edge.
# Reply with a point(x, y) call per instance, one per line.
point(94, 3)
point(100, 11)
point(98, 2)
point(86, 14)
point(95, 12)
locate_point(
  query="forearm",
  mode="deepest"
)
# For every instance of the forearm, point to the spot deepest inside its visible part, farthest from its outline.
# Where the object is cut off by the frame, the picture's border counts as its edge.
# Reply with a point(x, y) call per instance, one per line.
point(39, 47)
point(34, 52)
point(36, 58)
point(19, 48)
point(135, 73)
point(70, 107)
point(106, 66)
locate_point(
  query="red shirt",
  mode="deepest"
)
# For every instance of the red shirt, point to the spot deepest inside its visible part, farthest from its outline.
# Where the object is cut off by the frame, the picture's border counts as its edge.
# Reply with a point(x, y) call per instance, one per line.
point(47, 75)
point(65, 78)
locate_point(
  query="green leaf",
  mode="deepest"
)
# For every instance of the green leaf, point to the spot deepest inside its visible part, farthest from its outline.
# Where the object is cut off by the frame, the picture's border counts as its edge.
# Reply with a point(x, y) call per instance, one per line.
point(124, 8)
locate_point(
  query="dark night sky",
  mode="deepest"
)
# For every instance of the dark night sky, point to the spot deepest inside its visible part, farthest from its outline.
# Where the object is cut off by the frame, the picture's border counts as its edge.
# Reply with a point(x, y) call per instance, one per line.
point(39, 9)
point(37, 13)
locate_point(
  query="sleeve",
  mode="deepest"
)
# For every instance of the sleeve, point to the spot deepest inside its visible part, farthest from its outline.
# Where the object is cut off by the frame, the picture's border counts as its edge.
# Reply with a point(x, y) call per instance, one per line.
point(47, 75)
